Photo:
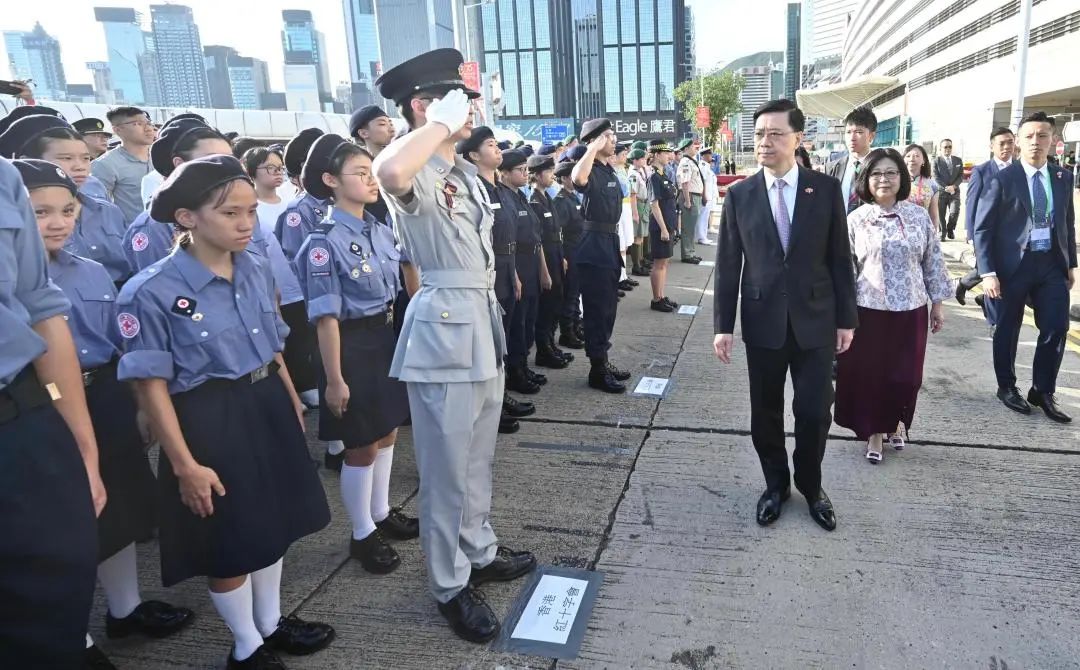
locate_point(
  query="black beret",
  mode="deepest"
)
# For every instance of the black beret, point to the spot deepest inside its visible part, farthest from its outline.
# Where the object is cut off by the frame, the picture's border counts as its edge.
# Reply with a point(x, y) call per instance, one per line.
point(526, 149)
point(163, 148)
point(593, 128)
point(90, 125)
point(540, 163)
point(512, 159)
point(37, 173)
point(318, 162)
point(519, 144)
point(27, 110)
point(364, 116)
point(547, 149)
point(564, 168)
point(575, 153)
point(185, 115)
point(621, 147)
point(296, 150)
point(505, 145)
point(190, 182)
point(480, 134)
point(437, 71)
point(24, 130)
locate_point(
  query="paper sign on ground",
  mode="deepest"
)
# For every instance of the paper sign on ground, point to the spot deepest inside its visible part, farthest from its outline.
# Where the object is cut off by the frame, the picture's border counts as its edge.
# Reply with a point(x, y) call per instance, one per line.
point(707, 264)
point(549, 615)
point(688, 309)
point(651, 386)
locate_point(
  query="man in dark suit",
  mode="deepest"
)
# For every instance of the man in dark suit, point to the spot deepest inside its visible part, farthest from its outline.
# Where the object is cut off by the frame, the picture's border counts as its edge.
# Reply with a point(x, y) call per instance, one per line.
point(783, 246)
point(1002, 142)
point(948, 173)
point(860, 129)
point(1025, 238)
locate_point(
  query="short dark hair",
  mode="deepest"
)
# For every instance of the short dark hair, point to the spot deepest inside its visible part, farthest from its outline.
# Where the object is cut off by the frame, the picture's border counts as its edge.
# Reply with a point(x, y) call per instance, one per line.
point(802, 157)
point(862, 185)
point(1000, 130)
point(36, 147)
point(241, 145)
point(862, 116)
point(406, 110)
point(1038, 117)
point(924, 171)
point(796, 119)
point(946, 140)
point(123, 113)
point(188, 140)
point(255, 157)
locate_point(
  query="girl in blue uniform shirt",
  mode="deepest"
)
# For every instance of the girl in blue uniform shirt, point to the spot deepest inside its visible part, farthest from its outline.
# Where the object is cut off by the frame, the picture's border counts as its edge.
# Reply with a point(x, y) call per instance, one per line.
point(203, 342)
point(99, 230)
point(125, 470)
point(348, 269)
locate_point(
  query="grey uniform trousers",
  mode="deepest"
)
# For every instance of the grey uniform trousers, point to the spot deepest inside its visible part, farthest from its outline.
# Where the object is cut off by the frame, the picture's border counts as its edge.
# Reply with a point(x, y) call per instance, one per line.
point(454, 427)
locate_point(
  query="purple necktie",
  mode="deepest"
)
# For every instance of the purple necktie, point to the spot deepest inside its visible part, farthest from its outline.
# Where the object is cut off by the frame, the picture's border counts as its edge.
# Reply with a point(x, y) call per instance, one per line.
point(783, 219)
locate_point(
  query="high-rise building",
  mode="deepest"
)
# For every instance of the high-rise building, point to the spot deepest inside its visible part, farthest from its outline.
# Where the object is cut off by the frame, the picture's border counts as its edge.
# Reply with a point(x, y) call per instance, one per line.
point(248, 81)
point(180, 61)
point(148, 69)
point(408, 28)
point(763, 80)
point(793, 55)
point(827, 26)
point(362, 38)
point(80, 93)
point(217, 75)
point(689, 57)
point(104, 93)
point(36, 55)
point(126, 44)
point(303, 45)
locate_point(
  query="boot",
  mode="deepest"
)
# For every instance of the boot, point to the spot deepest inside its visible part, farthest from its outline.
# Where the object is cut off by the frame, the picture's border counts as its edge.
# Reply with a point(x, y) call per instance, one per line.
point(565, 355)
point(517, 408)
point(579, 330)
point(621, 375)
point(546, 358)
point(600, 377)
point(568, 337)
point(508, 424)
point(518, 381)
point(535, 377)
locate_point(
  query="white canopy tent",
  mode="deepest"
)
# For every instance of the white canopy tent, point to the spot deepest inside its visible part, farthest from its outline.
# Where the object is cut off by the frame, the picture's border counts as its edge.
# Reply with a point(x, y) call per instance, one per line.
point(836, 100)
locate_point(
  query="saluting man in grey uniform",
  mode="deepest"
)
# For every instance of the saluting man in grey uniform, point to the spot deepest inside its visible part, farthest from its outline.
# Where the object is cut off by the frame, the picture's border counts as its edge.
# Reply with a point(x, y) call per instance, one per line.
point(451, 346)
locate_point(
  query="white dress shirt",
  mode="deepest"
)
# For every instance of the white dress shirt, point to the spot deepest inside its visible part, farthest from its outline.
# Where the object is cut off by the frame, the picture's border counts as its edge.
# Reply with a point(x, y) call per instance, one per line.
point(791, 187)
point(847, 183)
point(1001, 165)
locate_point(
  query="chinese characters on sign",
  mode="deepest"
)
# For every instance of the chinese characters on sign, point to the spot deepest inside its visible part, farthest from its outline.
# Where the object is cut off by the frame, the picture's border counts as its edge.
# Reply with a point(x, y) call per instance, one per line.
point(549, 615)
point(644, 128)
point(655, 386)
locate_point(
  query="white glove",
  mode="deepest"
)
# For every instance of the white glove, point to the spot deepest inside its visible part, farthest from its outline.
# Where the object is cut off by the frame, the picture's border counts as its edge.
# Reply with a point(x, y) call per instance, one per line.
point(452, 110)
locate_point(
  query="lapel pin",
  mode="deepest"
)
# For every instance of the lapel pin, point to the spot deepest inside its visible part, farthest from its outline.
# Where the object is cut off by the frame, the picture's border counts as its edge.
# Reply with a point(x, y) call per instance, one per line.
point(808, 190)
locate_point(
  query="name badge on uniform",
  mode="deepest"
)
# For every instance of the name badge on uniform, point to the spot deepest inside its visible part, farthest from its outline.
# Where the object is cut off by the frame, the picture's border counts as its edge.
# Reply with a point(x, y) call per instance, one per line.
point(496, 205)
point(1040, 234)
point(612, 184)
point(356, 249)
point(183, 306)
point(522, 212)
point(547, 215)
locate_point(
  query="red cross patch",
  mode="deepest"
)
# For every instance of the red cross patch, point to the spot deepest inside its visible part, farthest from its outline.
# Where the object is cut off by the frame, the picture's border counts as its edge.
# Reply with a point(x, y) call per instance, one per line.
point(140, 241)
point(318, 256)
point(129, 325)
point(292, 219)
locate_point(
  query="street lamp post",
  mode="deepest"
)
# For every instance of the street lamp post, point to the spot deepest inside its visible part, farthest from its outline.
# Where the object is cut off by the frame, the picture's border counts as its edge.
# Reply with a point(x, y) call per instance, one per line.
point(468, 38)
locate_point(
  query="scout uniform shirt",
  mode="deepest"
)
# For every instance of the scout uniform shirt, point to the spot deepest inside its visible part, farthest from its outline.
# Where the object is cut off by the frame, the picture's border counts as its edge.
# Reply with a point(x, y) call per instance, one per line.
point(92, 318)
point(99, 236)
point(297, 221)
point(602, 205)
point(453, 328)
point(147, 241)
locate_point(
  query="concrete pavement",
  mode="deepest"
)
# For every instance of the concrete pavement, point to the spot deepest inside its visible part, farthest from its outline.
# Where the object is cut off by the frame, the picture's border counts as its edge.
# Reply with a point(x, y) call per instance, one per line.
point(958, 552)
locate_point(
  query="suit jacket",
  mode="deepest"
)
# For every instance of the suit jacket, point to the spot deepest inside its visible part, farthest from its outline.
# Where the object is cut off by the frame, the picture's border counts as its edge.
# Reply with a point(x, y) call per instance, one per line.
point(838, 167)
point(1003, 219)
point(980, 177)
point(948, 172)
point(812, 287)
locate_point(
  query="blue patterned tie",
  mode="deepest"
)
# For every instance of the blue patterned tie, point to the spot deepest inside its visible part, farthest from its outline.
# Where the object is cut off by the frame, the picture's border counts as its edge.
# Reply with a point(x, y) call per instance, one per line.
point(1038, 212)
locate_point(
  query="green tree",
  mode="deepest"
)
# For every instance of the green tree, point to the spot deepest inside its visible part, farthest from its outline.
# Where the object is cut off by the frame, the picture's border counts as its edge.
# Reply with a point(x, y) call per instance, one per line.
point(721, 91)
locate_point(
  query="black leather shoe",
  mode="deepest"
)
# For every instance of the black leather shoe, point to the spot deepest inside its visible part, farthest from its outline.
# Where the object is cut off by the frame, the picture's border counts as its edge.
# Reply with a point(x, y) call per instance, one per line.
point(95, 659)
point(546, 358)
point(264, 658)
point(821, 511)
point(517, 408)
point(633, 282)
point(535, 377)
point(621, 293)
point(508, 424)
point(399, 526)
point(980, 300)
point(1046, 402)
point(692, 260)
point(621, 375)
point(770, 504)
point(1012, 399)
point(470, 616)
point(565, 355)
point(333, 462)
point(625, 285)
point(960, 293)
point(952, 234)
point(600, 378)
point(151, 618)
point(660, 306)
point(507, 566)
point(297, 637)
point(670, 302)
point(640, 271)
point(569, 339)
point(519, 382)
point(374, 554)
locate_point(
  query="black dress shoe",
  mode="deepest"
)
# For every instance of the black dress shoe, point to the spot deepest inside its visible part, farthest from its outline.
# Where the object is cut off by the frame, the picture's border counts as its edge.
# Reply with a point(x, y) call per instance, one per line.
point(621, 375)
point(546, 358)
point(470, 616)
point(535, 377)
point(399, 526)
point(333, 462)
point(570, 340)
point(821, 511)
point(625, 285)
point(640, 271)
point(601, 379)
point(1046, 402)
point(507, 566)
point(770, 504)
point(980, 300)
point(519, 382)
point(374, 554)
point(952, 234)
point(621, 293)
point(660, 306)
point(693, 260)
point(1012, 399)
point(633, 282)
point(565, 355)
point(95, 659)
point(264, 658)
point(960, 293)
point(670, 302)
point(517, 408)
point(297, 637)
point(151, 618)
point(508, 424)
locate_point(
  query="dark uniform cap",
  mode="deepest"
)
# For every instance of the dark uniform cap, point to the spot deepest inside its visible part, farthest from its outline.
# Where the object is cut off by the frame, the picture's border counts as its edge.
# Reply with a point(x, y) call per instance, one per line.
point(504, 145)
point(480, 134)
point(635, 154)
point(296, 150)
point(27, 110)
point(526, 149)
point(564, 168)
point(540, 163)
point(364, 116)
point(90, 126)
point(24, 130)
point(706, 150)
point(512, 159)
point(575, 153)
point(185, 115)
point(163, 148)
point(519, 144)
point(547, 149)
point(685, 143)
point(37, 173)
point(437, 71)
point(621, 147)
point(189, 183)
point(318, 163)
point(593, 128)
point(660, 148)
point(640, 144)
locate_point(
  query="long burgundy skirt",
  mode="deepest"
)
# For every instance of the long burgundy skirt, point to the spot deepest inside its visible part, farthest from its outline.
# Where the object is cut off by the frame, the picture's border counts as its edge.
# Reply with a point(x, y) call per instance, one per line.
point(878, 378)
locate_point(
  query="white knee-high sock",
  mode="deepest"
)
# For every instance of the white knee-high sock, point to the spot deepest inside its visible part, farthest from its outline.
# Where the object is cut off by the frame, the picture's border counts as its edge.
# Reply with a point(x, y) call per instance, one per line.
point(89, 641)
point(380, 484)
point(266, 598)
point(120, 580)
point(236, 609)
point(356, 494)
point(335, 447)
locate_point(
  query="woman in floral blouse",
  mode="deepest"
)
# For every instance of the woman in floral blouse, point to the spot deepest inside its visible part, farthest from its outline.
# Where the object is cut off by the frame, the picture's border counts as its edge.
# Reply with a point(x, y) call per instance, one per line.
point(898, 269)
point(923, 188)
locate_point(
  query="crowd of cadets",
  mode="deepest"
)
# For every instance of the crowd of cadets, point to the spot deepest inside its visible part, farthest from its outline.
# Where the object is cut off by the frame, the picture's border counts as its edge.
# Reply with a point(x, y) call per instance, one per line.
point(256, 283)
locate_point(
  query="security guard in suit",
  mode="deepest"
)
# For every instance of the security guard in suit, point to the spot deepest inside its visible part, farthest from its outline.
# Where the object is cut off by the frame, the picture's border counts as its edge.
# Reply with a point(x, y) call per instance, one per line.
point(598, 257)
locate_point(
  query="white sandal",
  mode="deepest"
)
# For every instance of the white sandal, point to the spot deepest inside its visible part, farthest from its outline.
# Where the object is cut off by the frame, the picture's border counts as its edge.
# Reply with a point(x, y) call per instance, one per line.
point(873, 456)
point(896, 439)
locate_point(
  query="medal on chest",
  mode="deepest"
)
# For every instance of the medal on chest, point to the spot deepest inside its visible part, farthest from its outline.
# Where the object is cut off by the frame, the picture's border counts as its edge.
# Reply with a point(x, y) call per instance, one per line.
point(449, 193)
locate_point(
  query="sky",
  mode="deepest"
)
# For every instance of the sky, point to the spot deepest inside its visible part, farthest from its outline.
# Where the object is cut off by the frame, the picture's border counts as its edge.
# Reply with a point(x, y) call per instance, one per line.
point(724, 32)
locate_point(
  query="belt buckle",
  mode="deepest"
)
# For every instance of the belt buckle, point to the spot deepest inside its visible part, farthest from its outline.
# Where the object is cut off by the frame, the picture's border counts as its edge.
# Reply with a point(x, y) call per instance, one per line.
point(260, 374)
point(513, 247)
point(389, 316)
point(87, 378)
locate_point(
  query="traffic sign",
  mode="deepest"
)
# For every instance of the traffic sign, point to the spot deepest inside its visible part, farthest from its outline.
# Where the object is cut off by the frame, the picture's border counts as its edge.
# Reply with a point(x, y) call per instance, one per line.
point(702, 117)
point(1071, 132)
point(550, 133)
point(1060, 149)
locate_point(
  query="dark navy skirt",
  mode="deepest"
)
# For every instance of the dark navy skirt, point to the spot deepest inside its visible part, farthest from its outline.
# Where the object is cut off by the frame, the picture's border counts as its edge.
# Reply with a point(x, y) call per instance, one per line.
point(378, 403)
point(250, 436)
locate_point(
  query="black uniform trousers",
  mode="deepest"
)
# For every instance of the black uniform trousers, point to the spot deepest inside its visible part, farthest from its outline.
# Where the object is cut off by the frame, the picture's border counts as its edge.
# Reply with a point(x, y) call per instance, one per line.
point(523, 326)
point(504, 290)
point(811, 377)
point(551, 301)
point(948, 211)
point(1042, 279)
point(599, 301)
point(301, 352)
point(571, 309)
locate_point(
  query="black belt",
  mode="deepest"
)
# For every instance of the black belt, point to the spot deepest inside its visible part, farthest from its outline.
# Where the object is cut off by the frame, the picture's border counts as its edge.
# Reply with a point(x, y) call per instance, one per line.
point(23, 394)
point(504, 249)
point(90, 377)
point(553, 239)
point(373, 322)
point(610, 228)
point(528, 248)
